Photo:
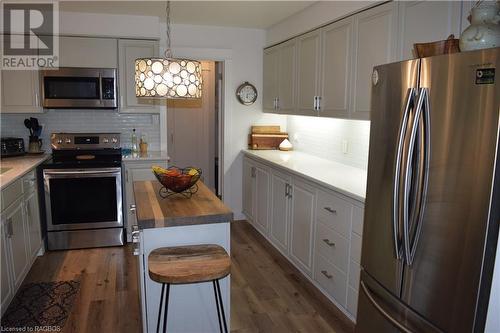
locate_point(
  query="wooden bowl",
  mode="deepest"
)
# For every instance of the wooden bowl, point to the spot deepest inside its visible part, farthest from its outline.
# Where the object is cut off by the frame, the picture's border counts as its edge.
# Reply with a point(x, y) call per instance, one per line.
point(449, 45)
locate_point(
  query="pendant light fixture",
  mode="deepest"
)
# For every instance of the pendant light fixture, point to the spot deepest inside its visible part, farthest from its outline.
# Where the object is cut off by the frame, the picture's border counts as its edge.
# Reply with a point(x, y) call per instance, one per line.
point(168, 77)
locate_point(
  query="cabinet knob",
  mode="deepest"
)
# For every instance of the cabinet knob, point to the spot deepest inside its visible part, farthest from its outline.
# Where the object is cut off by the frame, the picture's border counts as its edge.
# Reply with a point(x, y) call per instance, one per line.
point(325, 273)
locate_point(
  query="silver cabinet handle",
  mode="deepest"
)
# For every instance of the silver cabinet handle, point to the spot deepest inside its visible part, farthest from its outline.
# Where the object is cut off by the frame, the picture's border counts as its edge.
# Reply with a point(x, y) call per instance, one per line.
point(286, 190)
point(328, 276)
point(318, 103)
point(136, 251)
point(328, 242)
point(253, 173)
point(290, 190)
point(330, 209)
point(132, 209)
point(314, 103)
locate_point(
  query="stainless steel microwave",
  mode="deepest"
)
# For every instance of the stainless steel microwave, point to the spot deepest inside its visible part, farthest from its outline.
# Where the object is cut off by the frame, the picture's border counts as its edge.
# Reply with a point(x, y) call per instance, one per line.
point(82, 88)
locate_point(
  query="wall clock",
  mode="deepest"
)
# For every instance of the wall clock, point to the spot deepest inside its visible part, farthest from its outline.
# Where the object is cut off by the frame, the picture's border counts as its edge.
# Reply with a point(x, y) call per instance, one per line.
point(246, 93)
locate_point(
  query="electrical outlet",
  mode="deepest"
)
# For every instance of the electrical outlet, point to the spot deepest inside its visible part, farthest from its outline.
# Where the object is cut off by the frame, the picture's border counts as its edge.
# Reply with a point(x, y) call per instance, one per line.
point(345, 146)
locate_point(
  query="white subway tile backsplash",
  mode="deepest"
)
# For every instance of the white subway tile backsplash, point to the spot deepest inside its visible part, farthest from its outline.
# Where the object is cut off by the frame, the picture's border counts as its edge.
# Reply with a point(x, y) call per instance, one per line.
point(323, 137)
point(84, 121)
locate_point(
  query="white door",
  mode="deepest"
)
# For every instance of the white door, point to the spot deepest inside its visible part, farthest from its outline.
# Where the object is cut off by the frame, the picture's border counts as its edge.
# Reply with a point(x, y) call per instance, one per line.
point(33, 223)
point(337, 40)
point(280, 210)
point(20, 88)
point(191, 128)
point(128, 51)
point(286, 77)
point(308, 58)
point(426, 21)
point(248, 188)
point(303, 203)
point(270, 79)
point(375, 44)
point(262, 199)
point(17, 239)
point(5, 264)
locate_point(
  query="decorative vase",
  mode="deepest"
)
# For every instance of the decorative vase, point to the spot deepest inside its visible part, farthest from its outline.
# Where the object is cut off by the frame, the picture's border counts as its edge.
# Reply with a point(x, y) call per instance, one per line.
point(484, 31)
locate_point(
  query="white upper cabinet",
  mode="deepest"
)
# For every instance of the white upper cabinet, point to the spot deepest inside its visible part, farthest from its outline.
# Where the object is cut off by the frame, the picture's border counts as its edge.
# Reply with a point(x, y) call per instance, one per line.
point(20, 89)
point(128, 51)
point(426, 21)
point(286, 77)
point(270, 76)
point(88, 52)
point(308, 69)
point(336, 65)
point(376, 31)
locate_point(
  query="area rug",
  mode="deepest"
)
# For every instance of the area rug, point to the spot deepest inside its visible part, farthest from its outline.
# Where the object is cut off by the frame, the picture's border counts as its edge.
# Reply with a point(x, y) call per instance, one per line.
point(42, 304)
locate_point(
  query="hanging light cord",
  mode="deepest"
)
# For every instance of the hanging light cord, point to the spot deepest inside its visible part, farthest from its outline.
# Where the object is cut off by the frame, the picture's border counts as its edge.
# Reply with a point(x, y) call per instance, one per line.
point(168, 51)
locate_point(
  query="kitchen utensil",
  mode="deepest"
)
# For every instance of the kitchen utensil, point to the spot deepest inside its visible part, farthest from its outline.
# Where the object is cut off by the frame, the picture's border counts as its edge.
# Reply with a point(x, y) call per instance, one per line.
point(28, 125)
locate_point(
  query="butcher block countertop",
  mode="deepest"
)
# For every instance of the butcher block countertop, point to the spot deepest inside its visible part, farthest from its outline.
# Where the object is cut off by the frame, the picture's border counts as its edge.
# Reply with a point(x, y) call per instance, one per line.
point(153, 211)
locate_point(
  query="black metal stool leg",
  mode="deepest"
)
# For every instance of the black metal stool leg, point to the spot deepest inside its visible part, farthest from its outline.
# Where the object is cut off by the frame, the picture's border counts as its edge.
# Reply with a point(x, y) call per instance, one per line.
point(166, 309)
point(221, 305)
point(217, 305)
point(159, 309)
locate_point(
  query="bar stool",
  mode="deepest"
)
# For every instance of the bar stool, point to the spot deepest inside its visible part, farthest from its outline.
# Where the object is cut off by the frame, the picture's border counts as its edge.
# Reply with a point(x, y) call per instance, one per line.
point(189, 264)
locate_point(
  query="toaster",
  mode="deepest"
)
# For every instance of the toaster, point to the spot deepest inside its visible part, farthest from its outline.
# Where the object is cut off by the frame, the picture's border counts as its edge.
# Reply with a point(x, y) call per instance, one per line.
point(12, 147)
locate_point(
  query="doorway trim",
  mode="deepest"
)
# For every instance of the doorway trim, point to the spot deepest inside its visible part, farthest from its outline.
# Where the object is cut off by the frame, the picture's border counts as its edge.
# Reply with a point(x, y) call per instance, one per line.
point(220, 55)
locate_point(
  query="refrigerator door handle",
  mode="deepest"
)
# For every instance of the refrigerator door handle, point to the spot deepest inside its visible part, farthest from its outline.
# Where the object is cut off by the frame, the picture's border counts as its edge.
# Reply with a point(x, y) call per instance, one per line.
point(398, 188)
point(421, 127)
point(381, 310)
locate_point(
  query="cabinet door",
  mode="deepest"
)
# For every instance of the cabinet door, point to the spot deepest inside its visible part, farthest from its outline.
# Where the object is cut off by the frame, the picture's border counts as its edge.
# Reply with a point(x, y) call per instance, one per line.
point(375, 44)
point(308, 58)
point(286, 78)
point(280, 208)
point(6, 291)
point(128, 51)
point(261, 198)
point(18, 241)
point(442, 18)
point(270, 77)
point(248, 189)
point(336, 52)
point(88, 52)
point(303, 203)
point(33, 224)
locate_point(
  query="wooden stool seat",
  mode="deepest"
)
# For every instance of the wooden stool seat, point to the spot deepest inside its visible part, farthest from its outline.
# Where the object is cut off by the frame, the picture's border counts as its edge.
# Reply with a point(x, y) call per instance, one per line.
point(188, 264)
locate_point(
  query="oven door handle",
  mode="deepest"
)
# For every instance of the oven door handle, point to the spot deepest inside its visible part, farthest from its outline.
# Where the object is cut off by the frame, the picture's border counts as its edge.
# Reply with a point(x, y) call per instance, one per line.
point(85, 172)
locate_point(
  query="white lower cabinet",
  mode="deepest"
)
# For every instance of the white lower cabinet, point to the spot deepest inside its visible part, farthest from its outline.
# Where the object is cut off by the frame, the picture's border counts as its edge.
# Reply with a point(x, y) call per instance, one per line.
point(20, 236)
point(302, 223)
point(318, 230)
point(133, 171)
point(280, 212)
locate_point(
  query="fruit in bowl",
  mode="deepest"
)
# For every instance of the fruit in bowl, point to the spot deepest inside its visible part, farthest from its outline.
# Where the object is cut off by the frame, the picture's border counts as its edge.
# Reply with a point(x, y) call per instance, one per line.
point(177, 180)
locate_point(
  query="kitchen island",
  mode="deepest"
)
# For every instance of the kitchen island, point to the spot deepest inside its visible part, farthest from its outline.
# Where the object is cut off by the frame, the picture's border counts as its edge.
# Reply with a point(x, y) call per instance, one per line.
point(175, 221)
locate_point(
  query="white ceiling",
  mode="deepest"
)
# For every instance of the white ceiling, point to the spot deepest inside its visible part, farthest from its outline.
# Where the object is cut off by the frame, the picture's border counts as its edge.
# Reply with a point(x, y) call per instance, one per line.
point(245, 14)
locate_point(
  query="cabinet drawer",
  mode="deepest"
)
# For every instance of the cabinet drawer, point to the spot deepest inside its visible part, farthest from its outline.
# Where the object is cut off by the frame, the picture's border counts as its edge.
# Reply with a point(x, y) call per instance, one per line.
point(331, 279)
point(334, 212)
point(29, 182)
point(11, 193)
point(356, 247)
point(332, 246)
point(357, 220)
point(352, 301)
point(354, 271)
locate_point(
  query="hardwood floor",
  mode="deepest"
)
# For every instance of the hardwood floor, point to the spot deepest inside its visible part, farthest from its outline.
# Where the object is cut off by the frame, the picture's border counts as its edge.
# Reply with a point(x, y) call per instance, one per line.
point(267, 293)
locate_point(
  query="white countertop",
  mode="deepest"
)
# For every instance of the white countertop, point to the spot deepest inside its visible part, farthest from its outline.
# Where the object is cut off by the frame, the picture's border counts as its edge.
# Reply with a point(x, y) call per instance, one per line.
point(149, 156)
point(19, 166)
point(339, 177)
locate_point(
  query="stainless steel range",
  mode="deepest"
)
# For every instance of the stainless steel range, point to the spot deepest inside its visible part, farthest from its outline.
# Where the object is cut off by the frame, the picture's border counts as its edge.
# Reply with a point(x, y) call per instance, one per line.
point(83, 191)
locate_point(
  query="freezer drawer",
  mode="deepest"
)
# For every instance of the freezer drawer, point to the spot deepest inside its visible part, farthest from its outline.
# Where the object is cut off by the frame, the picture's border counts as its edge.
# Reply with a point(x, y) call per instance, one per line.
point(382, 312)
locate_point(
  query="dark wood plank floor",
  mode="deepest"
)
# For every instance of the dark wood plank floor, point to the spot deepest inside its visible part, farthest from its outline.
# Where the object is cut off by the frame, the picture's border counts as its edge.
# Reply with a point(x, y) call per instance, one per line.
point(267, 293)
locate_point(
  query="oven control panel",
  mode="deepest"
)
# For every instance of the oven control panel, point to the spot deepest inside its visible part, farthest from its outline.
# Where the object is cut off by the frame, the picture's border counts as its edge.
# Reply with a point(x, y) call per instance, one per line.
point(60, 141)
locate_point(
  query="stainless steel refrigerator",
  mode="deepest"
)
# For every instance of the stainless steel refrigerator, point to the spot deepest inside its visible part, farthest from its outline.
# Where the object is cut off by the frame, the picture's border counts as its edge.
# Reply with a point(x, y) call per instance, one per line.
point(432, 209)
